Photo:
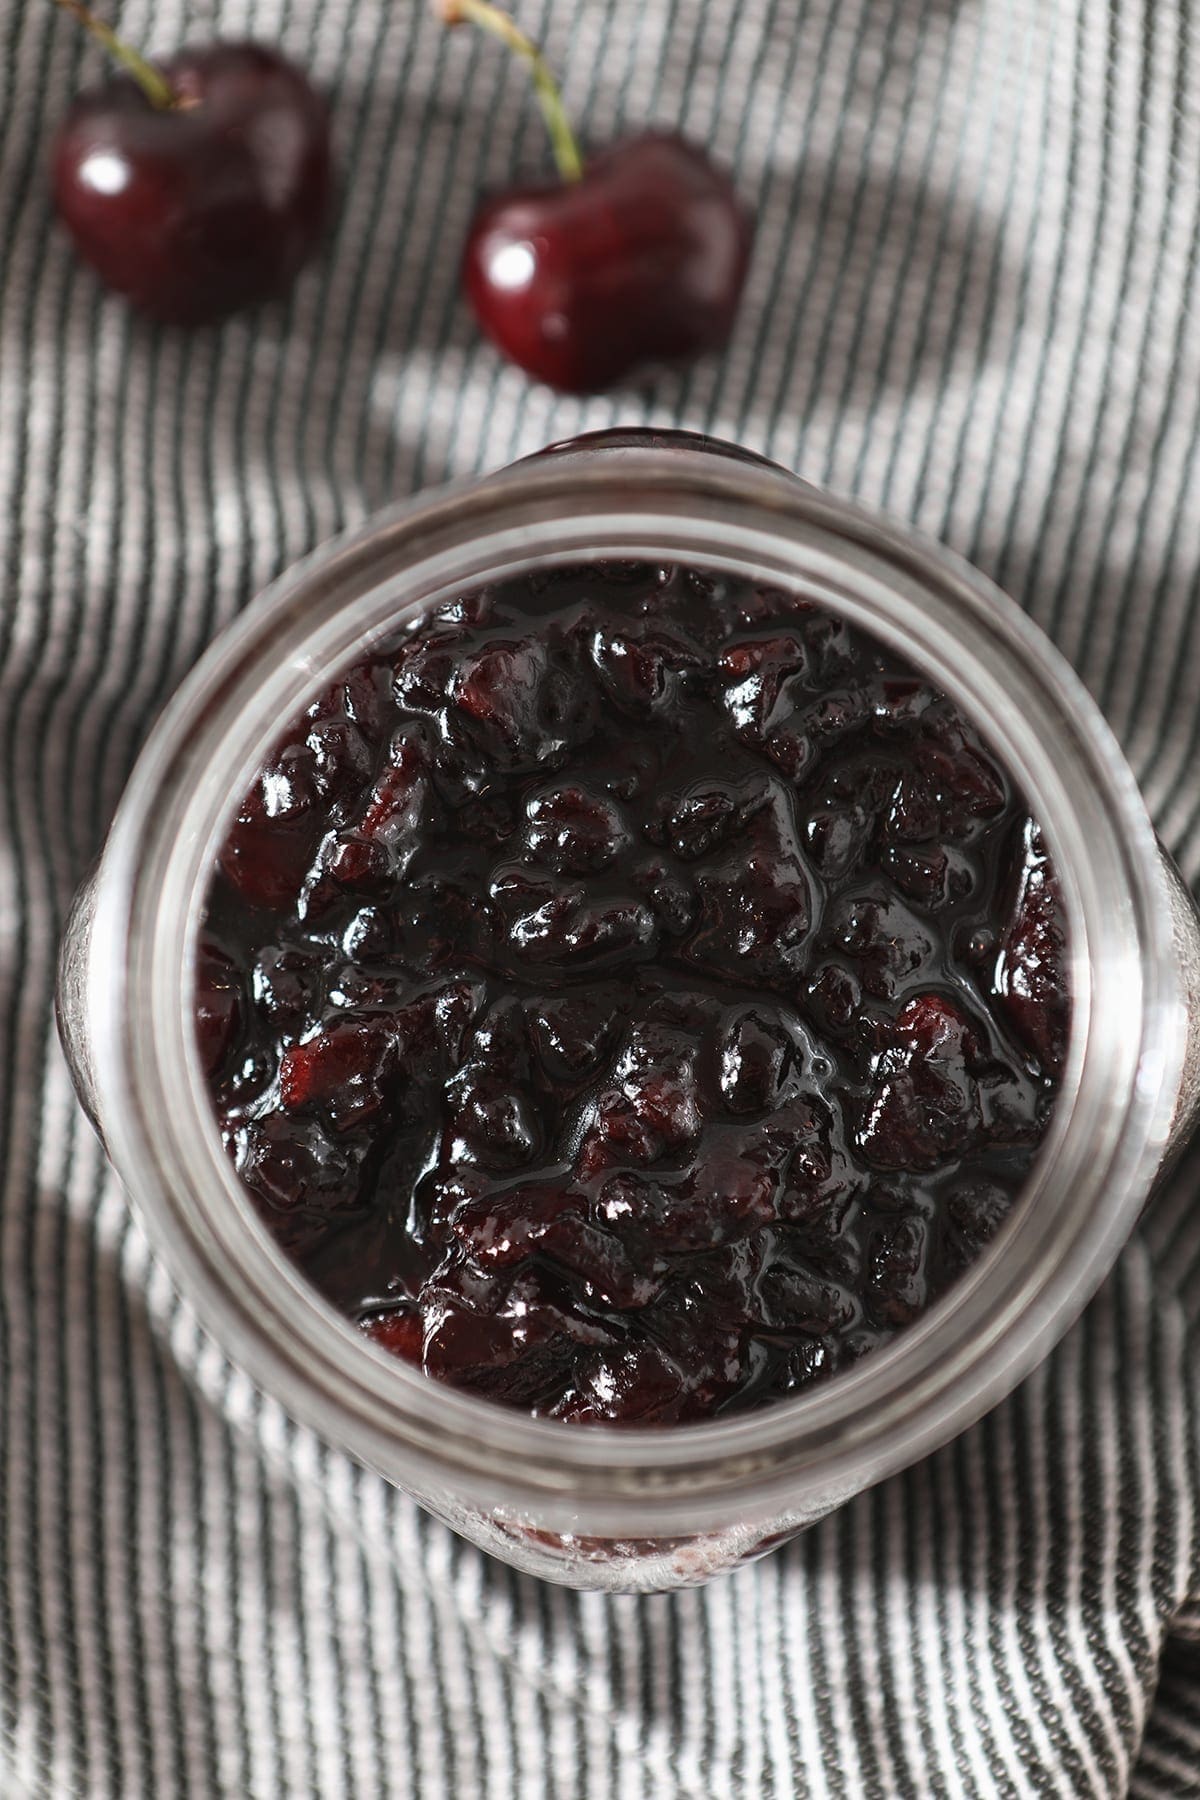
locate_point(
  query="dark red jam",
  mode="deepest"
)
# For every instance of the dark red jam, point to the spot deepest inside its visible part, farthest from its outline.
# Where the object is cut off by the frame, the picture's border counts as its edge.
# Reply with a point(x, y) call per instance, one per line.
point(634, 994)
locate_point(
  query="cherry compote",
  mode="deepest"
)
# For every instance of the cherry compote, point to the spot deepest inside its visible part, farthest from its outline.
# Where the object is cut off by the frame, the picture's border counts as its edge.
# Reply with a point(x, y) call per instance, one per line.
point(634, 994)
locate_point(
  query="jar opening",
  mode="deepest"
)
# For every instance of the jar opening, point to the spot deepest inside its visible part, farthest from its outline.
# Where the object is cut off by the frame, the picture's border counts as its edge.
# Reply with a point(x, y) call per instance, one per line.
point(1118, 1085)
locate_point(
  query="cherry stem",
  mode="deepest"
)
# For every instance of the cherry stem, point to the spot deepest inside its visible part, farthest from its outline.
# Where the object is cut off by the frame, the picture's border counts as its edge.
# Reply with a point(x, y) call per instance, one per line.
point(491, 18)
point(154, 85)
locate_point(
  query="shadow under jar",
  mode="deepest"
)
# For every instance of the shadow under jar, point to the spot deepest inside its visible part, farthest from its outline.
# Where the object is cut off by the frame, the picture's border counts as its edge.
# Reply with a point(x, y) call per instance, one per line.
point(697, 1477)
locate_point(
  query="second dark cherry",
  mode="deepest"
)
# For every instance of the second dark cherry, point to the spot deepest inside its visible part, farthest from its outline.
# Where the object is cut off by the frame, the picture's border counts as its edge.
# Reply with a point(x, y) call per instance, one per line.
point(641, 260)
point(637, 254)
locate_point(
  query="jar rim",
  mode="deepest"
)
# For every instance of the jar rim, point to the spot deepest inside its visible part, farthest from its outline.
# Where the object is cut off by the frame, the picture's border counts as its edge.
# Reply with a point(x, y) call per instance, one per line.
point(678, 502)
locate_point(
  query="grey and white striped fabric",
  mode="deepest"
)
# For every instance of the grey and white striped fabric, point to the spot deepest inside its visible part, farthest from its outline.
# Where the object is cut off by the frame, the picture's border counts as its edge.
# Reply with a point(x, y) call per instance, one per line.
point(973, 302)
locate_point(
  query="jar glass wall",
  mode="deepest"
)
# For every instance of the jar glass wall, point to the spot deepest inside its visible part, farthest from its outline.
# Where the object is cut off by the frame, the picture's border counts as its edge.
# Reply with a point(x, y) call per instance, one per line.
point(597, 1506)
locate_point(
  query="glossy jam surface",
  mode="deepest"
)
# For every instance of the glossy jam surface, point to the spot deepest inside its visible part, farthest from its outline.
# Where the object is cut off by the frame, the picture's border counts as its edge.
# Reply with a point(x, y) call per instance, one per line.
point(634, 995)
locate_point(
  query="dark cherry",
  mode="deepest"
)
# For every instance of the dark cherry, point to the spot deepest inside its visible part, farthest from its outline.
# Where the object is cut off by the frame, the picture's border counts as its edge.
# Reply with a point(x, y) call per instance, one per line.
point(197, 208)
point(633, 994)
point(637, 255)
point(641, 260)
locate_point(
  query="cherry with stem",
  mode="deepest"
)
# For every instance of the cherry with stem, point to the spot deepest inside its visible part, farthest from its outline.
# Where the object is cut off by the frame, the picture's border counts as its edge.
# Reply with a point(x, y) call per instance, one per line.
point(636, 255)
point(197, 185)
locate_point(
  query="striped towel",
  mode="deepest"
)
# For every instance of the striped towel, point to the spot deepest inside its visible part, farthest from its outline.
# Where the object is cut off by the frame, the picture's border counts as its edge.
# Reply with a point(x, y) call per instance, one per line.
point(974, 303)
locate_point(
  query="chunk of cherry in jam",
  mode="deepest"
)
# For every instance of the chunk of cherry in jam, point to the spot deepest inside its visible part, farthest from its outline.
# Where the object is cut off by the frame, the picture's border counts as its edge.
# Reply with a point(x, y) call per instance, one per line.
point(634, 995)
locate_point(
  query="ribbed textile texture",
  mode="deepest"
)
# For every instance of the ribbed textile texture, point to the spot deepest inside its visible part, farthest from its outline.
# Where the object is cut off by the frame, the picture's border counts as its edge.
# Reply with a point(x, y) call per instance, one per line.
point(973, 302)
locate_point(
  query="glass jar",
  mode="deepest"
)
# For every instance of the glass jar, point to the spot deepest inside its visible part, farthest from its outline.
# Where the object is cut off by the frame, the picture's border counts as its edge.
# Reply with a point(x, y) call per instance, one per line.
point(595, 1506)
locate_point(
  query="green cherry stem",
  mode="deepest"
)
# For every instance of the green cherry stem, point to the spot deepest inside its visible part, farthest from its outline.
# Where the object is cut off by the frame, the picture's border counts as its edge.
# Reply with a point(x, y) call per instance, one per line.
point(154, 85)
point(490, 18)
